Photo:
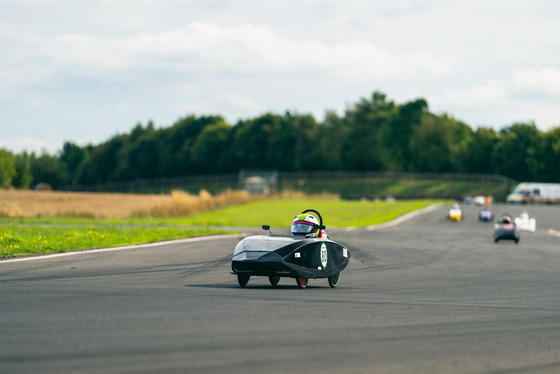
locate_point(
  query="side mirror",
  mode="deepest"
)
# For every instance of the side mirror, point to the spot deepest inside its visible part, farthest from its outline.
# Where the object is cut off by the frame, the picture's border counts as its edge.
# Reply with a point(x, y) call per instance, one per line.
point(265, 227)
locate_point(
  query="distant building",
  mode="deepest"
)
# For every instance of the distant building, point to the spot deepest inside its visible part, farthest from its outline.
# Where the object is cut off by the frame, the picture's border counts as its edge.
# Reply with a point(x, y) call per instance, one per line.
point(258, 181)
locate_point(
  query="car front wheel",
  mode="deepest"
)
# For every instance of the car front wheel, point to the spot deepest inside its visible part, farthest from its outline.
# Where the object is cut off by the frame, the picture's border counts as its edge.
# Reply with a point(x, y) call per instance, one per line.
point(243, 279)
point(273, 280)
point(333, 281)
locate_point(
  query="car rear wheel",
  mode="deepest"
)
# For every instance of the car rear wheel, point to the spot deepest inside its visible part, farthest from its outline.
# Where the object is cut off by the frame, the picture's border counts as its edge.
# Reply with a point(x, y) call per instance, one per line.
point(243, 279)
point(301, 282)
point(273, 280)
point(333, 281)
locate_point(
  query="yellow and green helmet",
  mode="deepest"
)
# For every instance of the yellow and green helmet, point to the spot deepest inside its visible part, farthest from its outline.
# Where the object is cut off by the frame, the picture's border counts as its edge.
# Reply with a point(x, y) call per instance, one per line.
point(305, 224)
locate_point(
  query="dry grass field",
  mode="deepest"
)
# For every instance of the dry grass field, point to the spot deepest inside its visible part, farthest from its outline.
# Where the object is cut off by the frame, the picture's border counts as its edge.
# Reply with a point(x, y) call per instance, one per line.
point(27, 203)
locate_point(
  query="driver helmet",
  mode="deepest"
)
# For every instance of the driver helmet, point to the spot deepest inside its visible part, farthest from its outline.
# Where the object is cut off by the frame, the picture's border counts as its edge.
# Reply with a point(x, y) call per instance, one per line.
point(305, 224)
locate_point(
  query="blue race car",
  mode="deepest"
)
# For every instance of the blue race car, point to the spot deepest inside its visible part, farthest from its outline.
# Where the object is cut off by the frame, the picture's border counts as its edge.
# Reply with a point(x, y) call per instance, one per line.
point(485, 215)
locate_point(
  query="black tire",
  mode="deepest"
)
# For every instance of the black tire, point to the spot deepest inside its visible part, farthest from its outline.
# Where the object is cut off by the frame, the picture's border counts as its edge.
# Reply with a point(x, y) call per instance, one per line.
point(301, 281)
point(243, 279)
point(333, 281)
point(273, 279)
point(495, 240)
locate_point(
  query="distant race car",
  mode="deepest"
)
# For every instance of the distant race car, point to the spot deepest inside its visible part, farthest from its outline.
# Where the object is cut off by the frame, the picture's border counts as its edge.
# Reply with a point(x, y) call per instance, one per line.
point(485, 215)
point(525, 223)
point(506, 228)
point(479, 200)
point(455, 213)
point(299, 257)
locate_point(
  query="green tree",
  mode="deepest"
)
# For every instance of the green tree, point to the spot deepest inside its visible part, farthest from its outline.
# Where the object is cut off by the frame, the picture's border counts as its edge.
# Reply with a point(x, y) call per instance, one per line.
point(511, 153)
point(282, 139)
point(141, 155)
point(7, 168)
point(103, 163)
point(177, 142)
point(332, 132)
point(395, 134)
point(250, 142)
point(479, 148)
point(48, 169)
point(209, 149)
point(437, 143)
point(271, 141)
point(74, 157)
point(544, 156)
point(306, 143)
point(362, 146)
point(23, 177)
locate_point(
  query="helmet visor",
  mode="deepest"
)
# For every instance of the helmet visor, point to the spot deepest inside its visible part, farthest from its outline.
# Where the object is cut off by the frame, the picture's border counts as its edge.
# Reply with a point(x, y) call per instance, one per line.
point(302, 227)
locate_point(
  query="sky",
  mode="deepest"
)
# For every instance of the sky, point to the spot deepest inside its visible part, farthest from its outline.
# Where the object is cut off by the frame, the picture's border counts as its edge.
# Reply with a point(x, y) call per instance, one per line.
point(84, 71)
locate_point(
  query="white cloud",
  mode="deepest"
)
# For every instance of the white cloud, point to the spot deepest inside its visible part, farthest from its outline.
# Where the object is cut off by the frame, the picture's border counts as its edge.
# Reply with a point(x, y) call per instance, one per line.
point(246, 48)
point(234, 104)
point(128, 106)
point(522, 84)
point(32, 144)
point(545, 82)
point(474, 97)
point(529, 95)
point(90, 69)
point(238, 103)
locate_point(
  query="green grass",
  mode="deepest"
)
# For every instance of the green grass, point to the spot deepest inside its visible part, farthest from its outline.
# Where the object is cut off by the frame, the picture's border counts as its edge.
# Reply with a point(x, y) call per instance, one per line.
point(20, 240)
point(20, 237)
point(279, 213)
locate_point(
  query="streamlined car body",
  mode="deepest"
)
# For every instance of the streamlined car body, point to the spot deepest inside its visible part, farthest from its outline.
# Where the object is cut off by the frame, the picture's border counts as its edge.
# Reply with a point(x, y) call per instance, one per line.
point(277, 256)
point(506, 228)
point(525, 223)
point(485, 215)
point(455, 213)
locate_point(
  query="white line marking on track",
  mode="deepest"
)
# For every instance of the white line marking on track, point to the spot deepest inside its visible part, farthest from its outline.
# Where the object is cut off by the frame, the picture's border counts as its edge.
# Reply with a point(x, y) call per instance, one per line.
point(404, 218)
point(554, 232)
point(139, 246)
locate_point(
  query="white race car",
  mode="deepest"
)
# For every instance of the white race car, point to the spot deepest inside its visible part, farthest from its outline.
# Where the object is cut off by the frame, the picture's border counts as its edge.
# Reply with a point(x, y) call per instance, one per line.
point(525, 223)
point(479, 200)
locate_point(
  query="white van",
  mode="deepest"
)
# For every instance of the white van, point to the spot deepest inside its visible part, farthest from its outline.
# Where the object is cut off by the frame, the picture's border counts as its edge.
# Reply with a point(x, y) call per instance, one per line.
point(535, 192)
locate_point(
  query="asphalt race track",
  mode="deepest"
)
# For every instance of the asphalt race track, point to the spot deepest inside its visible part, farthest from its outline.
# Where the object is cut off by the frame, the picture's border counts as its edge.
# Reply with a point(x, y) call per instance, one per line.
point(425, 296)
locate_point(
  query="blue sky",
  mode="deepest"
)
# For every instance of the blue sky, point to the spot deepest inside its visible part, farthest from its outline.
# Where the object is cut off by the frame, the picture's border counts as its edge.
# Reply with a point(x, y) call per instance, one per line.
point(83, 71)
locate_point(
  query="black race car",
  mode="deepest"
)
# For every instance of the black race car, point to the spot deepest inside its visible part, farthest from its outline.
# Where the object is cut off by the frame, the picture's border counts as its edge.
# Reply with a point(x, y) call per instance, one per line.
point(302, 258)
point(506, 228)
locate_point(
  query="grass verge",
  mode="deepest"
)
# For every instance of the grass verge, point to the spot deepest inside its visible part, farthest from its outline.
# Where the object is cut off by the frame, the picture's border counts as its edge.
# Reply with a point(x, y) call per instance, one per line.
point(31, 236)
point(279, 213)
point(21, 240)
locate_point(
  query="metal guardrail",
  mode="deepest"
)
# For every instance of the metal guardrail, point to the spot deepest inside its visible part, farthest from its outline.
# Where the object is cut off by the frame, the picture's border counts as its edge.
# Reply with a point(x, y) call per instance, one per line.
point(394, 175)
point(234, 178)
point(151, 183)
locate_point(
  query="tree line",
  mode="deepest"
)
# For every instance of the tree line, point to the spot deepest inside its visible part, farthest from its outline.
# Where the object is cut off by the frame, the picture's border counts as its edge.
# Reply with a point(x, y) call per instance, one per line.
point(374, 134)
